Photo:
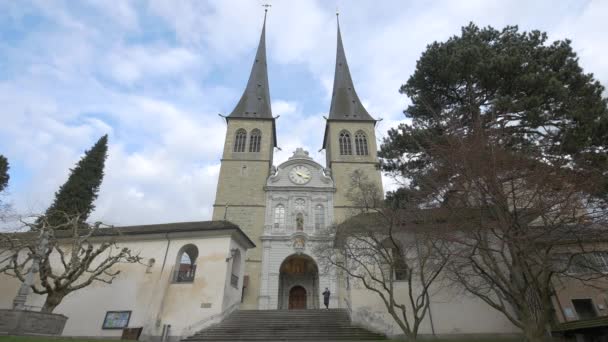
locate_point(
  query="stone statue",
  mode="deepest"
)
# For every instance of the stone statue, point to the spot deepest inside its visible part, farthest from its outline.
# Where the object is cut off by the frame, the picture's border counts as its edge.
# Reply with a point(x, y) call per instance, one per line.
point(300, 222)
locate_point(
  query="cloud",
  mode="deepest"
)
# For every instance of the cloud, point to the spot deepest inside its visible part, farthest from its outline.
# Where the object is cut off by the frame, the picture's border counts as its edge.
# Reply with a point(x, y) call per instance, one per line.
point(154, 74)
point(129, 64)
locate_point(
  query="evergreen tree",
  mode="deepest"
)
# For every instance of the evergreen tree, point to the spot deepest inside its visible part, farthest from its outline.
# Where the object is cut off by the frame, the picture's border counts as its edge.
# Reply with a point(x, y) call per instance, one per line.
point(4, 176)
point(77, 195)
point(533, 92)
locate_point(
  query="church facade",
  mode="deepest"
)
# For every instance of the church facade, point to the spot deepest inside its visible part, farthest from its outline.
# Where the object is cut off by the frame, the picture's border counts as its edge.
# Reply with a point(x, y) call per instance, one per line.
point(286, 210)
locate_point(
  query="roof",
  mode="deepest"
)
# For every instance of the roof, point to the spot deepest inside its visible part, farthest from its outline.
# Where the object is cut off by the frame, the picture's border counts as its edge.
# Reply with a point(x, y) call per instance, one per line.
point(203, 227)
point(255, 101)
point(598, 322)
point(345, 104)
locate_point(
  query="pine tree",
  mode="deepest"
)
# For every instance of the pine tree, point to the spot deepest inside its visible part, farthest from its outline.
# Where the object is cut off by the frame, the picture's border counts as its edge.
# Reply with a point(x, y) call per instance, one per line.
point(77, 195)
point(485, 80)
point(4, 176)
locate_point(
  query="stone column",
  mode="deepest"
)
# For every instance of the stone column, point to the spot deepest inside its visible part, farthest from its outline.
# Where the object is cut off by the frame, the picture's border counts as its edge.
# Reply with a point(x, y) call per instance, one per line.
point(263, 301)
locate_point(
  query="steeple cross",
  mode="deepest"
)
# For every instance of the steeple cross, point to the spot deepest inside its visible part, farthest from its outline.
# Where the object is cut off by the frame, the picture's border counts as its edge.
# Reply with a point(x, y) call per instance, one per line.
point(266, 7)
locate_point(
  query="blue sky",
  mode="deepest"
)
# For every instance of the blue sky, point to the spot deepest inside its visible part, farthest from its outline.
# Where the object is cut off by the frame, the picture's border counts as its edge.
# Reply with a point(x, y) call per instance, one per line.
point(154, 74)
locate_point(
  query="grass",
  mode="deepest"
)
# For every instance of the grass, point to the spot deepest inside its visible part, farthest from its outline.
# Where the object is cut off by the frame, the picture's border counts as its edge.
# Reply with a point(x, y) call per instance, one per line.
point(48, 339)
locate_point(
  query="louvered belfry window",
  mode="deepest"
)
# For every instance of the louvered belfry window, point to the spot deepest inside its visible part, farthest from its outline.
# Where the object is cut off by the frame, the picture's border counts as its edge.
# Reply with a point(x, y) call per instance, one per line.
point(345, 145)
point(361, 144)
point(255, 140)
point(239, 140)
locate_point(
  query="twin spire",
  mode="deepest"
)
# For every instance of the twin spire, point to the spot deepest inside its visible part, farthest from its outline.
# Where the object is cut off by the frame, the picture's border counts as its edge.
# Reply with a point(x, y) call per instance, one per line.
point(255, 102)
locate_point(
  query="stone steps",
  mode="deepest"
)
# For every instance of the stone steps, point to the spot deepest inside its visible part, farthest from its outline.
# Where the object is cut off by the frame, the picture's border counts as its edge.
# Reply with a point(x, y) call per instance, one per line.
point(286, 325)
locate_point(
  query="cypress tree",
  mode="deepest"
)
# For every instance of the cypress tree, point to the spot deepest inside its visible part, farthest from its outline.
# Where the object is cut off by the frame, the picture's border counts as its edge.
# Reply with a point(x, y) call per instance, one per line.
point(4, 177)
point(77, 195)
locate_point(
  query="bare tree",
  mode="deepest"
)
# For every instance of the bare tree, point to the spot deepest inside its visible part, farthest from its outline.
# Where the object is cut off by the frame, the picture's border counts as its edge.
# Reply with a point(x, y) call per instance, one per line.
point(65, 258)
point(535, 217)
point(381, 249)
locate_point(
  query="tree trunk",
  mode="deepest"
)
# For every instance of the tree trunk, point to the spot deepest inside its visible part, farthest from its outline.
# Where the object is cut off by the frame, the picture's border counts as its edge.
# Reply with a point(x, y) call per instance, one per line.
point(51, 302)
point(535, 333)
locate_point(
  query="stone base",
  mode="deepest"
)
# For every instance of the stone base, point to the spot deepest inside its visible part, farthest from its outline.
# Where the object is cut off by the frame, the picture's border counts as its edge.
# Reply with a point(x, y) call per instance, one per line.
point(18, 322)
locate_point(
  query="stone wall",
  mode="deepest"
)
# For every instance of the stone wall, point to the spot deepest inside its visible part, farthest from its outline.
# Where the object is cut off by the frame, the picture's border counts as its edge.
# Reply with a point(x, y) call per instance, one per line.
point(17, 322)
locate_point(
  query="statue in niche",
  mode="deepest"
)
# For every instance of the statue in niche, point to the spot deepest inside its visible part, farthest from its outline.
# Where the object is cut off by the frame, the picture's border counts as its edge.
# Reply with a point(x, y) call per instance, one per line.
point(299, 222)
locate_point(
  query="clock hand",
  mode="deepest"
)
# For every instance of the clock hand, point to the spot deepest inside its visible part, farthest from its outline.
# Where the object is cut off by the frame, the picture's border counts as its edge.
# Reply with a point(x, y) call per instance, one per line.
point(302, 175)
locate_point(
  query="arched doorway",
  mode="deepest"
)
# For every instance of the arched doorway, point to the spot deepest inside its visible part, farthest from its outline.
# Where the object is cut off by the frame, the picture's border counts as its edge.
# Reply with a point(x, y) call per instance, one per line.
point(298, 283)
point(297, 298)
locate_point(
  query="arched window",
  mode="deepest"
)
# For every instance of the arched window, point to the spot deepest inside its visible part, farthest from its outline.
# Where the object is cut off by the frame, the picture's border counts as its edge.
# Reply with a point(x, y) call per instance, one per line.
point(396, 261)
point(236, 267)
point(239, 140)
point(361, 144)
point(319, 217)
point(255, 140)
point(299, 222)
point(345, 145)
point(186, 264)
point(279, 216)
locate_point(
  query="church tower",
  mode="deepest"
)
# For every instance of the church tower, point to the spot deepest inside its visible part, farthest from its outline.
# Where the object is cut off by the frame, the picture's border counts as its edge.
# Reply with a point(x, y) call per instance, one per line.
point(350, 139)
point(245, 166)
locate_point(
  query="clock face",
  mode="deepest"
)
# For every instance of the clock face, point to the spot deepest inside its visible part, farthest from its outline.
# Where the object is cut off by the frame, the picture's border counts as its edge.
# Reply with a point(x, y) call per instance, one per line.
point(300, 174)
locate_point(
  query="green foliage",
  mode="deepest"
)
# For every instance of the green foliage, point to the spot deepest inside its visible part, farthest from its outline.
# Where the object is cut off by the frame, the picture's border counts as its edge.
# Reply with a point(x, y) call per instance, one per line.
point(484, 80)
point(77, 195)
point(4, 176)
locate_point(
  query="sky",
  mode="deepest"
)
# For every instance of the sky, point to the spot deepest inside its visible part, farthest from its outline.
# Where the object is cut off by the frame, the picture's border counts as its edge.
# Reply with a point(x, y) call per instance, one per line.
point(154, 75)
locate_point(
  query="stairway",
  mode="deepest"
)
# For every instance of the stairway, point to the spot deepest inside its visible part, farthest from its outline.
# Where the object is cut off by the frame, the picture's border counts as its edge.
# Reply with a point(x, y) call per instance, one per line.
point(286, 325)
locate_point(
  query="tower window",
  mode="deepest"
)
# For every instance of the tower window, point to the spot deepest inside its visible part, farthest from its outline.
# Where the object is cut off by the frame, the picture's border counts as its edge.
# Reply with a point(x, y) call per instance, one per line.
point(240, 140)
point(319, 217)
point(361, 144)
point(254, 140)
point(279, 216)
point(345, 145)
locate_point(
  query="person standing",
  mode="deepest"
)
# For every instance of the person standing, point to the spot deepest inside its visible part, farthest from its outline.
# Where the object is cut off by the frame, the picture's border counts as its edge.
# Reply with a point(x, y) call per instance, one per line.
point(326, 295)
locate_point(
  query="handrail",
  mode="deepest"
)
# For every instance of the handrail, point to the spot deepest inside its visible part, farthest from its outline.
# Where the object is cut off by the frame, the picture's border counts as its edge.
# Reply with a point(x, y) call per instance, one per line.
point(196, 326)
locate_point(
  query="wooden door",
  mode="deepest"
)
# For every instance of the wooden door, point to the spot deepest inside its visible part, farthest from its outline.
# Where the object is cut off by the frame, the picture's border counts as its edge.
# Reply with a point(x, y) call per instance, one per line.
point(297, 298)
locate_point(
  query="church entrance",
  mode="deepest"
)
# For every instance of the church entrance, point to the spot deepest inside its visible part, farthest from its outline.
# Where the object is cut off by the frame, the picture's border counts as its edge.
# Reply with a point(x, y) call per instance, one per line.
point(298, 283)
point(297, 298)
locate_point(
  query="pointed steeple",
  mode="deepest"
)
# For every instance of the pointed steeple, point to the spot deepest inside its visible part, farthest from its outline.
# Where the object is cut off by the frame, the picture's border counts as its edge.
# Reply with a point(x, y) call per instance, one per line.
point(255, 102)
point(345, 104)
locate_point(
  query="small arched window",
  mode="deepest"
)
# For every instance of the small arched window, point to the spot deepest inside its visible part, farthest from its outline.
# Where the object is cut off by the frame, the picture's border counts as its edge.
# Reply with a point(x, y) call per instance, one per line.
point(236, 267)
point(255, 140)
point(396, 259)
point(239, 140)
point(361, 144)
point(186, 264)
point(345, 145)
point(319, 216)
point(279, 216)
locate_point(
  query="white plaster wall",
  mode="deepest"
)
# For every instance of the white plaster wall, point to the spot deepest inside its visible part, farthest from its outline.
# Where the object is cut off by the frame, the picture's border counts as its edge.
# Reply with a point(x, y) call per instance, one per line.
point(453, 313)
point(232, 295)
point(150, 294)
